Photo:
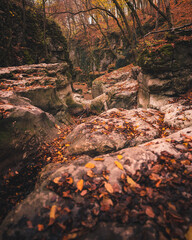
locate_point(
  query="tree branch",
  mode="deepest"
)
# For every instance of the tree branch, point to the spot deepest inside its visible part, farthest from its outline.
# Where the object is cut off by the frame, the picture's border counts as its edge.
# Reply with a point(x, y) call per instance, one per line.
point(169, 30)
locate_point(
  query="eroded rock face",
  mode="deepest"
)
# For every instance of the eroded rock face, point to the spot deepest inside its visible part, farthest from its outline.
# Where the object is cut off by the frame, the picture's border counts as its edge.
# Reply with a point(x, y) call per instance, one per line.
point(120, 86)
point(114, 130)
point(46, 85)
point(22, 128)
point(96, 205)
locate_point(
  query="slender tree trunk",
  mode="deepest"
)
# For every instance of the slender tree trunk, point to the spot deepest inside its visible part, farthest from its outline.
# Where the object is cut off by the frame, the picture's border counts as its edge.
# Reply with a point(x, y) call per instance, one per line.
point(44, 28)
point(123, 16)
point(134, 13)
point(24, 20)
point(166, 17)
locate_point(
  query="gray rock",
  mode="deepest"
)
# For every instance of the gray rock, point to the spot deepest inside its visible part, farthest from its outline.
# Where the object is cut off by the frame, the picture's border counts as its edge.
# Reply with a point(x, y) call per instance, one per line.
point(114, 130)
point(177, 115)
point(22, 128)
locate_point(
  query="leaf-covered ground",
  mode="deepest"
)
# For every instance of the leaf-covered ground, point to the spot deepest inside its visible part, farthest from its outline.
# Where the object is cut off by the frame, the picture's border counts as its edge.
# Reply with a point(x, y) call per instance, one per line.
point(154, 203)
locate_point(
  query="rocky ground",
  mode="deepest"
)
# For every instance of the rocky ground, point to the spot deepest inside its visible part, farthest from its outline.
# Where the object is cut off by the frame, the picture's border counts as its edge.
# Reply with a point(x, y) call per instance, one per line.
point(122, 174)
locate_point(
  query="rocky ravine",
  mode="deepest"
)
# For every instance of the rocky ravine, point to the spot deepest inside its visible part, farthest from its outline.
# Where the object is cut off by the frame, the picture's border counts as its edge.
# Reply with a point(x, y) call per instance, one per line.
point(131, 177)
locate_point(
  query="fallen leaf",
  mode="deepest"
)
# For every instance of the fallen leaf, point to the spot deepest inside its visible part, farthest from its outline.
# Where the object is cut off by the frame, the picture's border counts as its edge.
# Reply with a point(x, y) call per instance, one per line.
point(29, 224)
point(188, 235)
point(56, 180)
point(108, 187)
point(132, 182)
point(40, 227)
point(90, 173)
point(158, 183)
point(119, 165)
point(69, 180)
point(80, 184)
point(52, 214)
point(154, 177)
point(90, 165)
point(149, 212)
point(171, 206)
point(72, 236)
point(106, 203)
point(119, 157)
point(98, 159)
point(67, 145)
point(83, 193)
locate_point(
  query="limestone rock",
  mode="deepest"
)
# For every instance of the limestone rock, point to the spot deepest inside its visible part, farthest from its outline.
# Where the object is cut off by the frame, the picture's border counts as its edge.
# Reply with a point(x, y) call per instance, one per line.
point(113, 130)
point(177, 115)
point(22, 128)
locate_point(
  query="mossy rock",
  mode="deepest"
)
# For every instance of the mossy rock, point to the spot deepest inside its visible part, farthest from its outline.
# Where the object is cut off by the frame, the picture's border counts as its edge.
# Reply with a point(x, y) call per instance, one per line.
point(158, 60)
point(97, 107)
point(73, 107)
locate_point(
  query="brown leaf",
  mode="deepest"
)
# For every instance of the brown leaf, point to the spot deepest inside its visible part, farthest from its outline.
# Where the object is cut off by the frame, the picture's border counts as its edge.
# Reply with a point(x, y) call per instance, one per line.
point(80, 184)
point(108, 187)
point(157, 168)
point(106, 203)
point(90, 174)
point(90, 165)
point(154, 177)
point(119, 165)
point(29, 224)
point(149, 212)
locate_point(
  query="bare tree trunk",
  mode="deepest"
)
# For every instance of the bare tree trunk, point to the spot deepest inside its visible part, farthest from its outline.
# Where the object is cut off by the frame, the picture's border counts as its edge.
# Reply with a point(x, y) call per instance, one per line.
point(134, 14)
point(44, 28)
point(123, 16)
point(166, 17)
point(24, 20)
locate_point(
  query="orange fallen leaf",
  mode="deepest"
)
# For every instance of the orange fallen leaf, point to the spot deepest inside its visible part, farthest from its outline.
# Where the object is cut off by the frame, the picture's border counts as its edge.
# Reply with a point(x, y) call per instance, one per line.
point(69, 180)
point(52, 214)
point(188, 235)
point(80, 184)
point(40, 227)
point(56, 180)
point(90, 165)
point(67, 145)
point(119, 165)
point(108, 187)
point(98, 159)
point(158, 183)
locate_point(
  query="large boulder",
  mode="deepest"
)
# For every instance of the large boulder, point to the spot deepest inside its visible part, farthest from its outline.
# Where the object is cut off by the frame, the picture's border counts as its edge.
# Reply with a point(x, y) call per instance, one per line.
point(105, 82)
point(23, 127)
point(114, 130)
point(46, 85)
point(129, 194)
point(166, 72)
